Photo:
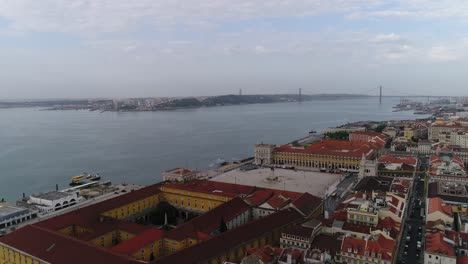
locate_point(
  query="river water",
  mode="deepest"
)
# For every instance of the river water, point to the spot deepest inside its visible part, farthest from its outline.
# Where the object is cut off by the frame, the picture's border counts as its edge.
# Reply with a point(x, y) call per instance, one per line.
point(39, 149)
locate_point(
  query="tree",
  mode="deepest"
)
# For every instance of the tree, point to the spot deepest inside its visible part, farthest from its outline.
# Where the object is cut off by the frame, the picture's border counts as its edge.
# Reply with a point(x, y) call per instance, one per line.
point(222, 226)
point(157, 216)
point(388, 144)
point(338, 135)
point(380, 127)
point(151, 258)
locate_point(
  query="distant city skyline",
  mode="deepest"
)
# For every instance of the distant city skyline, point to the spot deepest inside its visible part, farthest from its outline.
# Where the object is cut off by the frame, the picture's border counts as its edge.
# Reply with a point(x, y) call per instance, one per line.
point(162, 48)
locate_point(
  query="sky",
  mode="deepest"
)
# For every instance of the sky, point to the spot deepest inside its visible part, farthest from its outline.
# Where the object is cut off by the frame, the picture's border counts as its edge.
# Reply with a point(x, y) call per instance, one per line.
point(152, 48)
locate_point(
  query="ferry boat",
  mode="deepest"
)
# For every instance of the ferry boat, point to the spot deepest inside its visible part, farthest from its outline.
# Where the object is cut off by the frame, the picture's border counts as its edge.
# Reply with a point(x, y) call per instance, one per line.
point(84, 178)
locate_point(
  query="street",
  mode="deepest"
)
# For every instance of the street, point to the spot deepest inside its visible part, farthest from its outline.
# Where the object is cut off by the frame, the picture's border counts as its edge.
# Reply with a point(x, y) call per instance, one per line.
point(414, 227)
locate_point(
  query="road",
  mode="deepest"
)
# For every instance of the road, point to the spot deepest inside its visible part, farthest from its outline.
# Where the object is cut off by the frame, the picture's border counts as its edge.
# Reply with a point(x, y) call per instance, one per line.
point(414, 227)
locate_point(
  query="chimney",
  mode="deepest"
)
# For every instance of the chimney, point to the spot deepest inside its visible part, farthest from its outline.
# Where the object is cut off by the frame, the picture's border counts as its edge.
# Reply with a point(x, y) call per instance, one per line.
point(56, 187)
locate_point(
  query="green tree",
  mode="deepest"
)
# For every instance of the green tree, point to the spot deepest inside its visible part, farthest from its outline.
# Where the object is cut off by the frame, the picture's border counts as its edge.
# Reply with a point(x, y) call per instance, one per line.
point(151, 258)
point(380, 127)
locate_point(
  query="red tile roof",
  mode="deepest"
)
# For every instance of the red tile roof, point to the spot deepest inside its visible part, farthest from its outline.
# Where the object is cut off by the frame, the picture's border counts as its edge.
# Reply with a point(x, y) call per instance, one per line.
point(301, 231)
point(399, 159)
point(307, 204)
point(328, 243)
point(91, 213)
point(462, 260)
point(387, 223)
point(129, 247)
point(212, 187)
point(56, 248)
point(437, 204)
point(208, 223)
point(436, 244)
point(381, 245)
point(259, 197)
point(232, 238)
point(179, 171)
point(363, 229)
point(334, 148)
point(266, 254)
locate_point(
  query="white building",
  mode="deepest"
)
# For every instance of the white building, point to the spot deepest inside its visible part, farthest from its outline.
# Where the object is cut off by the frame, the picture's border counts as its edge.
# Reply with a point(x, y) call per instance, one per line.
point(263, 154)
point(55, 200)
point(424, 147)
point(179, 175)
point(439, 250)
point(11, 215)
point(459, 138)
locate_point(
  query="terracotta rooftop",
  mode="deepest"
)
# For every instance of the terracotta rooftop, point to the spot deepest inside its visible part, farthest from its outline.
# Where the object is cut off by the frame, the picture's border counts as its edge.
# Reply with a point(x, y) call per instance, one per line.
point(328, 243)
point(259, 197)
point(210, 221)
point(307, 203)
point(462, 260)
point(381, 245)
point(334, 148)
point(212, 187)
point(301, 231)
point(56, 248)
point(89, 214)
point(280, 199)
point(436, 244)
point(130, 246)
point(217, 244)
point(266, 253)
point(437, 204)
point(182, 171)
point(399, 159)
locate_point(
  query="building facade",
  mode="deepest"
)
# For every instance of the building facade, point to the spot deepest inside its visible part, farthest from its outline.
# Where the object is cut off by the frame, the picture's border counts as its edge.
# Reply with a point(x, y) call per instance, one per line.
point(326, 155)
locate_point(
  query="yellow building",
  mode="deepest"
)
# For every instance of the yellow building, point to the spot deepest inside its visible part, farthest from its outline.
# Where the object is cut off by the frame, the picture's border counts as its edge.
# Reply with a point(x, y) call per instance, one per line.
point(104, 225)
point(324, 155)
point(133, 208)
point(408, 133)
point(200, 196)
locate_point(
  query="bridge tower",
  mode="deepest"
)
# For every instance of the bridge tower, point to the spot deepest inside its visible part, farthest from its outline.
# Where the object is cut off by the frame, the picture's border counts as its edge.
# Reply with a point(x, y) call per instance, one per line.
point(380, 96)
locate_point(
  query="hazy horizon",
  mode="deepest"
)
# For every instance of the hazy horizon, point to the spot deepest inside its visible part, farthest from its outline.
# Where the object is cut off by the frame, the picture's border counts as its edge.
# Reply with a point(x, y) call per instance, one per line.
point(145, 48)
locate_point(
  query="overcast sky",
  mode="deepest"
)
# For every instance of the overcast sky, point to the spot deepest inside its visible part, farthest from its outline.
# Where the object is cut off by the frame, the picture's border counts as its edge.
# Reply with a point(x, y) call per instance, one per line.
point(122, 48)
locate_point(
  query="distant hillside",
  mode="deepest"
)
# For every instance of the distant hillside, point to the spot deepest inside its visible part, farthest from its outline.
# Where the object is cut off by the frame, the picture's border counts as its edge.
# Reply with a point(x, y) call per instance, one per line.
point(155, 104)
point(250, 99)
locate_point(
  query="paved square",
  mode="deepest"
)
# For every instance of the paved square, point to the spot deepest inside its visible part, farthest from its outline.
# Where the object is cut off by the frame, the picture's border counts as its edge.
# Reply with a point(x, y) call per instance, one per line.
point(312, 182)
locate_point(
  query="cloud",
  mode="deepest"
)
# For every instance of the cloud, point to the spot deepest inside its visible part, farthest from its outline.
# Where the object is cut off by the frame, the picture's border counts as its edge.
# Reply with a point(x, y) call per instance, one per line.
point(90, 17)
point(392, 37)
point(442, 53)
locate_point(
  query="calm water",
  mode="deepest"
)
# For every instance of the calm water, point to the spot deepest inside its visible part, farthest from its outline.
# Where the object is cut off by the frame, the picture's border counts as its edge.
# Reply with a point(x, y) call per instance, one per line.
point(41, 148)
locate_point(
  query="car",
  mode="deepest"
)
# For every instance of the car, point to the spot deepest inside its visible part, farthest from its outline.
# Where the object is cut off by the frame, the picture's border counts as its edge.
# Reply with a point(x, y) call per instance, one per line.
point(419, 228)
point(408, 238)
point(405, 253)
